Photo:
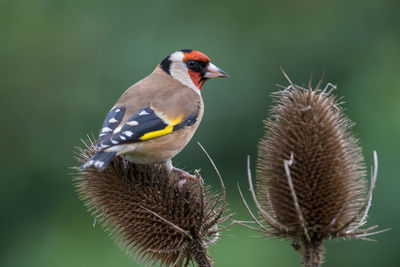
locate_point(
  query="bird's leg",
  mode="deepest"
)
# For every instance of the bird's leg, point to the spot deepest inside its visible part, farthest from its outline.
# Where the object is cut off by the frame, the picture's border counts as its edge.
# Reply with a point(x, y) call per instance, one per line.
point(184, 174)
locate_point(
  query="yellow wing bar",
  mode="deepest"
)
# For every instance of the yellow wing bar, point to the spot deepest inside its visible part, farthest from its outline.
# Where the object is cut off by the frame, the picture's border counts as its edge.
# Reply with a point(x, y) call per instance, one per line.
point(168, 129)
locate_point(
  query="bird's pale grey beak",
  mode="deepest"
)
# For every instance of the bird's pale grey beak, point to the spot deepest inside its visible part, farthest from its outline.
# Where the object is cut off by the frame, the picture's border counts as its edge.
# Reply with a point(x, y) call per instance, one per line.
point(213, 71)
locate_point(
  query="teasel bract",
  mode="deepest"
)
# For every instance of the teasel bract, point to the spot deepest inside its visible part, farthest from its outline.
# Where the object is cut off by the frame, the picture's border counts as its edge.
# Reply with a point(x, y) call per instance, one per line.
point(152, 214)
point(310, 173)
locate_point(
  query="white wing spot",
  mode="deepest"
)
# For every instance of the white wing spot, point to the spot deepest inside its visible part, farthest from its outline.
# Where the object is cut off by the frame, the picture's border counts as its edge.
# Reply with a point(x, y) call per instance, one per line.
point(89, 163)
point(118, 129)
point(122, 137)
point(98, 164)
point(128, 133)
point(112, 120)
point(103, 146)
point(113, 141)
point(132, 123)
point(144, 112)
point(106, 130)
point(117, 110)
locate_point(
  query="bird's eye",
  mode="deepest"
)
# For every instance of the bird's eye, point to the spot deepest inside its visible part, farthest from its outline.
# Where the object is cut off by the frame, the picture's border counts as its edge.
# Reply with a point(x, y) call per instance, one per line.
point(191, 63)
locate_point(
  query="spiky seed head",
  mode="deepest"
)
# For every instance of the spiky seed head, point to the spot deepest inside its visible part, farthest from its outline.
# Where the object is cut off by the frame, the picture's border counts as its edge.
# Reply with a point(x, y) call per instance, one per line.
point(326, 170)
point(150, 212)
point(310, 173)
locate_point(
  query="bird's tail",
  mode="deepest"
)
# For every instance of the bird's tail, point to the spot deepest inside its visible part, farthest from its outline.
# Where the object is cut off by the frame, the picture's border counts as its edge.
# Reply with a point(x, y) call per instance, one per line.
point(100, 161)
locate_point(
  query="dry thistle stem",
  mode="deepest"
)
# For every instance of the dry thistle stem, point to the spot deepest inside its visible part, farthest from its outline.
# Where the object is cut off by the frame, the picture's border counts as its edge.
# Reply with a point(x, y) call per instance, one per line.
point(310, 173)
point(150, 213)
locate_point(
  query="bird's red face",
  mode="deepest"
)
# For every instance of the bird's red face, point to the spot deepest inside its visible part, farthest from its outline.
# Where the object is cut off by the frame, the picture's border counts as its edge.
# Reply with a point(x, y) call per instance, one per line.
point(191, 67)
point(196, 62)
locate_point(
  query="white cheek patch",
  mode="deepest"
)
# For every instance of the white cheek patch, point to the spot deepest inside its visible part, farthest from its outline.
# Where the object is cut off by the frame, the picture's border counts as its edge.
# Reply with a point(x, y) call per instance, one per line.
point(179, 71)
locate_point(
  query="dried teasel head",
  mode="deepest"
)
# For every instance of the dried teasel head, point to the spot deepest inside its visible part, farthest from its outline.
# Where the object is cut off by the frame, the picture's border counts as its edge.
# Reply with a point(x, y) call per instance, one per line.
point(310, 173)
point(150, 212)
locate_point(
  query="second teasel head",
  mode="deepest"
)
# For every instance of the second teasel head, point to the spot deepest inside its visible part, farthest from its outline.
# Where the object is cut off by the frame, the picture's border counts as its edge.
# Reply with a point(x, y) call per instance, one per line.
point(308, 130)
point(310, 172)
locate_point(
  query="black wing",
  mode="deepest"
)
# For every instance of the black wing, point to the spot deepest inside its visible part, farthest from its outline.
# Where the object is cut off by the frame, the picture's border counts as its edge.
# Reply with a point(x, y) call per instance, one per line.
point(143, 125)
point(113, 119)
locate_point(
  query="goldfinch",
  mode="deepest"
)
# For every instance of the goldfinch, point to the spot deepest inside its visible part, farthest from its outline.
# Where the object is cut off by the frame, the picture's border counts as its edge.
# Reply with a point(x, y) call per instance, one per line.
point(156, 117)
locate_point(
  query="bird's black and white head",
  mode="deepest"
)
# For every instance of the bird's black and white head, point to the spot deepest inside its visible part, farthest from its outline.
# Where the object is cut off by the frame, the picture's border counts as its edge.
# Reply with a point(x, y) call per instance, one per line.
point(191, 67)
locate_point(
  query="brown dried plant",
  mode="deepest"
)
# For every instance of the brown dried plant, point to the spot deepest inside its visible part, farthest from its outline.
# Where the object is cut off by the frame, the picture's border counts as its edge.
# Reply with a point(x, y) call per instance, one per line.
point(150, 212)
point(310, 173)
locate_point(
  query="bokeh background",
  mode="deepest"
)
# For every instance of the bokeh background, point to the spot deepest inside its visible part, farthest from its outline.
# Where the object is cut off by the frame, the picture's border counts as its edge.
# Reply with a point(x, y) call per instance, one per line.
point(64, 63)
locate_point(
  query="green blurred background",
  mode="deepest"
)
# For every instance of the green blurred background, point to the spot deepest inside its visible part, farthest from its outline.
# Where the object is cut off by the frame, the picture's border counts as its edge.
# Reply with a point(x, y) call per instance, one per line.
point(63, 64)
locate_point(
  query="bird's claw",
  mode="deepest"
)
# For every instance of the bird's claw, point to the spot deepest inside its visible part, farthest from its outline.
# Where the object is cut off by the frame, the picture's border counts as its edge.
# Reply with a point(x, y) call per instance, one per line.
point(186, 176)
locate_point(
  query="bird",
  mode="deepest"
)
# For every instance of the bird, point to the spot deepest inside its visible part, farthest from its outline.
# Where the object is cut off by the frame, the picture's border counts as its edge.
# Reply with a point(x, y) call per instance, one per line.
point(155, 118)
